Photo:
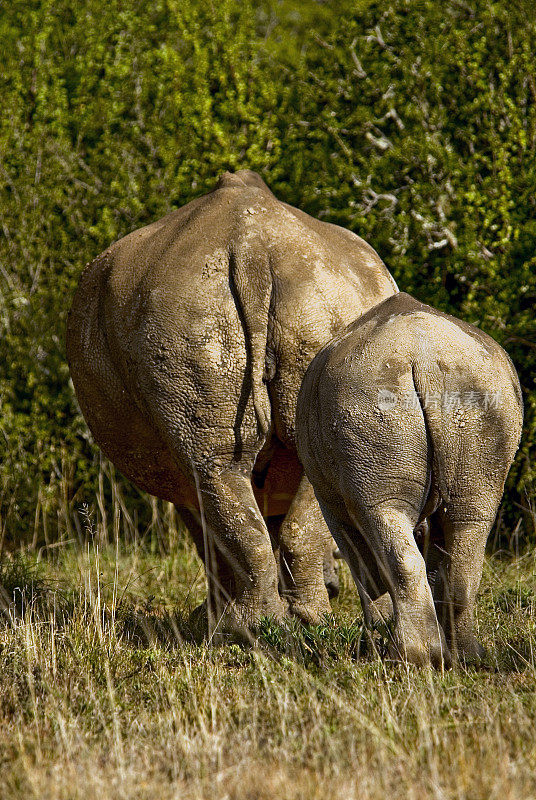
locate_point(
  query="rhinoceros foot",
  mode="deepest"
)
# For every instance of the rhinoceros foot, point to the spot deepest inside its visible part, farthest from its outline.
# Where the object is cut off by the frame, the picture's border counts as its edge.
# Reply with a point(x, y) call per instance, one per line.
point(420, 642)
point(468, 650)
point(238, 621)
point(310, 611)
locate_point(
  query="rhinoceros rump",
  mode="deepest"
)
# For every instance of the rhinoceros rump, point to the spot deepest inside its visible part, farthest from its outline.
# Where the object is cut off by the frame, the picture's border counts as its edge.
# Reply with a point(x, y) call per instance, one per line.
point(188, 341)
point(407, 424)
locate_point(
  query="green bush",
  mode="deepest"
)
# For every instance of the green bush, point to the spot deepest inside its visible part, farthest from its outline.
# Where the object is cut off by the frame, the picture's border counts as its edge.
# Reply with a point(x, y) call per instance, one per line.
point(417, 130)
point(412, 123)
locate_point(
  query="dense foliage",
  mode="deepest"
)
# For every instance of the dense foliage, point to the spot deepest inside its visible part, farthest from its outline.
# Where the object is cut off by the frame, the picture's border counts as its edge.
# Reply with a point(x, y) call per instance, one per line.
point(412, 123)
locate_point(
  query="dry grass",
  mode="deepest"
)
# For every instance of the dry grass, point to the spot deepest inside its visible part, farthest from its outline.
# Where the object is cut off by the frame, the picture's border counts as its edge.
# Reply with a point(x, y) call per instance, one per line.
point(105, 694)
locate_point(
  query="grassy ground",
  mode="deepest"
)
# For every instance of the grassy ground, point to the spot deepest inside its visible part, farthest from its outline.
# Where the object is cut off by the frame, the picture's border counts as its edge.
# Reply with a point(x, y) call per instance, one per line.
point(104, 694)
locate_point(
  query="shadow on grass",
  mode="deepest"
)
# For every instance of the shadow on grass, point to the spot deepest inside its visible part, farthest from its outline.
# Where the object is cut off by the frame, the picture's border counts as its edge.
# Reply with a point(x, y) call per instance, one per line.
point(23, 589)
point(513, 655)
point(144, 626)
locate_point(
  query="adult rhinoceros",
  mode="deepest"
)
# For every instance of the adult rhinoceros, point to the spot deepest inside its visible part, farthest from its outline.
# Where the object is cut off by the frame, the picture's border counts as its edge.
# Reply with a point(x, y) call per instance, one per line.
point(187, 342)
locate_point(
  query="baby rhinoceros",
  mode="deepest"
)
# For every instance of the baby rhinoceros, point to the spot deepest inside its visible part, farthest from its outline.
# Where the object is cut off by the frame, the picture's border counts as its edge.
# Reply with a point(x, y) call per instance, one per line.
point(408, 420)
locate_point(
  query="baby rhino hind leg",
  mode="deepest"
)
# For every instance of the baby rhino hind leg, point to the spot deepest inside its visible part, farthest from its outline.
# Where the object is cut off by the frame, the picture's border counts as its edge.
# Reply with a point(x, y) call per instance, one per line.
point(418, 637)
point(458, 581)
point(475, 490)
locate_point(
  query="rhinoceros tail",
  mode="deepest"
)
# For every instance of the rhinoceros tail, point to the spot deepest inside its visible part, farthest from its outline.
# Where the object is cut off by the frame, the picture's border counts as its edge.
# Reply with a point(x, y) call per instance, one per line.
point(251, 280)
point(429, 391)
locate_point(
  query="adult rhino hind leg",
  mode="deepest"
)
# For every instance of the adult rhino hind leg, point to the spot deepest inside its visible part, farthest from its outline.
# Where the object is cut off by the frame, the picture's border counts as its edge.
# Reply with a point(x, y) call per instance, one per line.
point(204, 617)
point(304, 545)
point(242, 577)
point(330, 568)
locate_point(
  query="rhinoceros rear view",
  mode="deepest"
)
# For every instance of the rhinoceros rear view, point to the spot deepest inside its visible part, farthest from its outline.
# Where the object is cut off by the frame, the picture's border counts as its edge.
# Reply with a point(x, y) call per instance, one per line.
point(411, 416)
point(187, 342)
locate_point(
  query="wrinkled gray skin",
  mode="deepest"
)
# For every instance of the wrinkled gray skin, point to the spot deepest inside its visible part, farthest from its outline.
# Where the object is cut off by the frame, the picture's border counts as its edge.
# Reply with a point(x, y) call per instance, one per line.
point(187, 342)
point(423, 465)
